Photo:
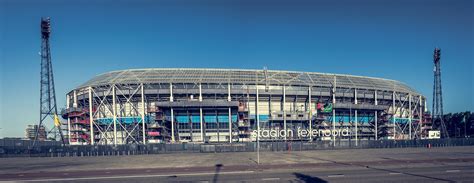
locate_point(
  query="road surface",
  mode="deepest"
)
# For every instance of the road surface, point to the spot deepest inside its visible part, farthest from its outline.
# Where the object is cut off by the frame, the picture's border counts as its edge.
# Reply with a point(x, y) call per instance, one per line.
point(448, 164)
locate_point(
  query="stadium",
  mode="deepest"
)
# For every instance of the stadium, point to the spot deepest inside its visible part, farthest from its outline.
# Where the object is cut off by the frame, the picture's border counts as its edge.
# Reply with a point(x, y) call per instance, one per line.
point(176, 105)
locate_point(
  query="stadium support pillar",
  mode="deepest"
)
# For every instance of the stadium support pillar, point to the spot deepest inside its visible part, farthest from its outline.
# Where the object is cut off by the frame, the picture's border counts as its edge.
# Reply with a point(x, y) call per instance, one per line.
point(334, 111)
point(258, 124)
point(200, 93)
point(201, 124)
point(171, 92)
point(310, 114)
point(91, 116)
point(172, 126)
point(284, 110)
point(394, 111)
point(143, 115)
point(228, 92)
point(114, 107)
point(200, 114)
point(172, 114)
point(74, 104)
point(410, 116)
point(230, 113)
point(355, 96)
point(230, 125)
point(67, 101)
point(68, 97)
point(421, 117)
point(375, 117)
point(356, 122)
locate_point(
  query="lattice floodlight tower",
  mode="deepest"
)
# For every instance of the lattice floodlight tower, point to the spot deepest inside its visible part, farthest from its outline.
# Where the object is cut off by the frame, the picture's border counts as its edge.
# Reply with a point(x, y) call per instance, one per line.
point(48, 96)
point(437, 114)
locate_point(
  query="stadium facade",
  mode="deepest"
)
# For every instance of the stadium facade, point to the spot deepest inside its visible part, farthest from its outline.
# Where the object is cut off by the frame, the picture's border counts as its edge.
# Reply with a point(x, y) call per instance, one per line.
point(169, 105)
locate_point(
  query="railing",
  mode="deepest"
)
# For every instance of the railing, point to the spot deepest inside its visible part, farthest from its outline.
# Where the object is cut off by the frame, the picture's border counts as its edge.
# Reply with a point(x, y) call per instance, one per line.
point(16, 148)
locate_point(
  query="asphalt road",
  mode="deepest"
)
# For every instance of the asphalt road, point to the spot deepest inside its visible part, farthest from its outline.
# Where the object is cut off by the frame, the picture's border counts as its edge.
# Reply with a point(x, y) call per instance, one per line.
point(449, 164)
point(449, 173)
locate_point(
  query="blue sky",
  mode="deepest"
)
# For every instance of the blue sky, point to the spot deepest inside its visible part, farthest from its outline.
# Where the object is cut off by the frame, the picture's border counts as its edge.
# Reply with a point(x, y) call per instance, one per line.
point(388, 39)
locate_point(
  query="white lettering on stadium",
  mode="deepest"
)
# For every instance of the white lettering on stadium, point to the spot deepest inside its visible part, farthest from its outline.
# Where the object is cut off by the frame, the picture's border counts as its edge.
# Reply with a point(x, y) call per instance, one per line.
point(266, 133)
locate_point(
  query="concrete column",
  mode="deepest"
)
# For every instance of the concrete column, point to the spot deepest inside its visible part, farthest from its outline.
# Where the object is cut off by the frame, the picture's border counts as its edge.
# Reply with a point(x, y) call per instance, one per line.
point(310, 115)
point(67, 101)
point(228, 93)
point(256, 108)
point(172, 113)
point(229, 98)
point(284, 111)
point(393, 117)
point(201, 124)
point(356, 129)
point(375, 96)
point(270, 104)
point(258, 124)
point(356, 121)
point(171, 92)
point(201, 121)
point(74, 104)
point(200, 93)
point(114, 106)
point(376, 116)
point(421, 116)
point(68, 120)
point(230, 125)
point(143, 115)
point(355, 95)
point(172, 126)
point(334, 112)
point(69, 130)
point(409, 116)
point(91, 117)
point(376, 126)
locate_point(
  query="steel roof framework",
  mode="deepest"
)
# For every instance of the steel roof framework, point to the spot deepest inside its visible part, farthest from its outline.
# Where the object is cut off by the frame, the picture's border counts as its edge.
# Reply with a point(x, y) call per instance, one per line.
point(261, 77)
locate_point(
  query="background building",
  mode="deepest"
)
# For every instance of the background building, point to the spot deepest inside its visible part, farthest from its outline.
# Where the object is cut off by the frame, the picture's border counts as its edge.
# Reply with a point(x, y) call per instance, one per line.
point(224, 105)
point(30, 132)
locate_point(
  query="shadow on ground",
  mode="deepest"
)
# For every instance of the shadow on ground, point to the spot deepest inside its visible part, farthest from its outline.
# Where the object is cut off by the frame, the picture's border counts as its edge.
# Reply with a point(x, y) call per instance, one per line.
point(381, 169)
point(307, 178)
point(216, 173)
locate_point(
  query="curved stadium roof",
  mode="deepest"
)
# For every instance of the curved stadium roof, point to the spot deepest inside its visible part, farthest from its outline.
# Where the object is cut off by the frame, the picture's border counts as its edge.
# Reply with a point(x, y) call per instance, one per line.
point(197, 75)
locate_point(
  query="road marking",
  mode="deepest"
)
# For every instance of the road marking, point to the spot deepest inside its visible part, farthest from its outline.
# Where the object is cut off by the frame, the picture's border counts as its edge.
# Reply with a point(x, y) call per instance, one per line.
point(339, 175)
point(134, 176)
point(394, 173)
point(450, 171)
point(276, 178)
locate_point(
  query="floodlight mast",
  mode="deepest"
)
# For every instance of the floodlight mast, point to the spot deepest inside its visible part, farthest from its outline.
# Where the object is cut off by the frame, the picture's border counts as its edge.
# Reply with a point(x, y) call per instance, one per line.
point(437, 114)
point(47, 92)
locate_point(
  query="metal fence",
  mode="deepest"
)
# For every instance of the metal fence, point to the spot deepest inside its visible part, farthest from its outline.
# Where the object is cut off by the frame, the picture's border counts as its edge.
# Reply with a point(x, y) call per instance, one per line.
point(18, 148)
